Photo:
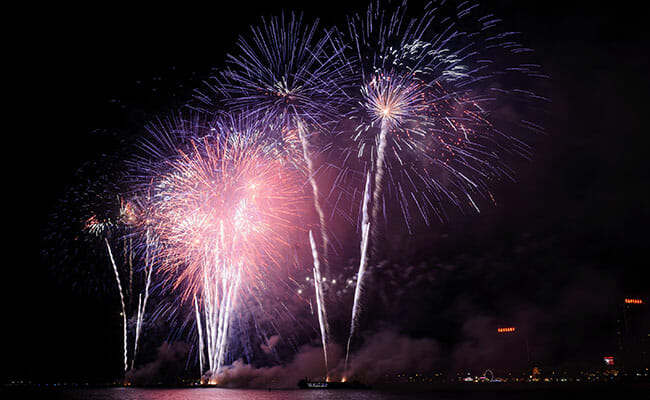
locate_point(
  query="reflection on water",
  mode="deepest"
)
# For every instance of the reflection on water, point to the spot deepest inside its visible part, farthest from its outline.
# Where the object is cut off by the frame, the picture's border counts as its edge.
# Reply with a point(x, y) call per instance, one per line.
point(231, 394)
point(594, 392)
point(211, 394)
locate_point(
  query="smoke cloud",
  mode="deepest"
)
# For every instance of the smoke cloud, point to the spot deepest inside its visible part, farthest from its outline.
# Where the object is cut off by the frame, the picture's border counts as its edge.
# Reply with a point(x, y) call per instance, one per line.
point(382, 353)
point(167, 367)
point(389, 353)
point(270, 344)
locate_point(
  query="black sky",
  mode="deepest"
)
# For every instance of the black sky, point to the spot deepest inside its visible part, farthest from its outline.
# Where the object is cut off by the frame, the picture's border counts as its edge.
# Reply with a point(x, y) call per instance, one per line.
point(572, 231)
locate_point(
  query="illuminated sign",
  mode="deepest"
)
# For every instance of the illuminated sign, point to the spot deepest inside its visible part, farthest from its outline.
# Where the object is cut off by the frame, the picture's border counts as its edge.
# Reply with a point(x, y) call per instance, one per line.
point(633, 301)
point(609, 360)
point(507, 329)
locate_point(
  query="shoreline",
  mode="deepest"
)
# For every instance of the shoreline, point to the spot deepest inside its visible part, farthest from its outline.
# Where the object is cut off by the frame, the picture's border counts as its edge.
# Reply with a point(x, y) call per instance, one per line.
point(442, 388)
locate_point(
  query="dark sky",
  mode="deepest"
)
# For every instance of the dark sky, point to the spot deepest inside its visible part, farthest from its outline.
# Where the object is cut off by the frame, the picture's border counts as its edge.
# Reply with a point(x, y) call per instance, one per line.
point(562, 247)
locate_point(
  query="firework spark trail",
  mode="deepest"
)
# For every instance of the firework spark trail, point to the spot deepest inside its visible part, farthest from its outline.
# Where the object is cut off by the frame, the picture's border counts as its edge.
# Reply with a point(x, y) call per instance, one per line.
point(379, 175)
point(210, 331)
point(141, 313)
point(427, 95)
point(423, 110)
point(314, 187)
point(212, 321)
point(223, 209)
point(293, 74)
point(432, 84)
point(365, 231)
point(130, 292)
point(322, 315)
point(126, 278)
point(200, 334)
point(142, 304)
point(390, 100)
point(119, 286)
point(218, 292)
point(233, 289)
point(219, 299)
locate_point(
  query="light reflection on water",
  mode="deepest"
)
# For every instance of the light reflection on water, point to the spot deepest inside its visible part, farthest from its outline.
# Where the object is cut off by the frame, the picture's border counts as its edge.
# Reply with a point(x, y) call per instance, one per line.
point(594, 392)
point(222, 394)
point(229, 394)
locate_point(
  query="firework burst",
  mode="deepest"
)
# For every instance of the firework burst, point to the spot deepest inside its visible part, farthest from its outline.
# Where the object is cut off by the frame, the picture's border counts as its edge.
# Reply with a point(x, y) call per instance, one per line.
point(292, 73)
point(429, 88)
point(222, 210)
point(407, 109)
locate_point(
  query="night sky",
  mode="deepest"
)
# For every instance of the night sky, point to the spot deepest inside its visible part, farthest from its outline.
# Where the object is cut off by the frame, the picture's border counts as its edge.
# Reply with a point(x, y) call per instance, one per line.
point(556, 256)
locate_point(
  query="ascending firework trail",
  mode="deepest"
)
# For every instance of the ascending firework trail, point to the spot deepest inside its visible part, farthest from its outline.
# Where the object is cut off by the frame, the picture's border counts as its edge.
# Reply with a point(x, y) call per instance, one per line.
point(320, 302)
point(124, 277)
point(365, 233)
point(428, 88)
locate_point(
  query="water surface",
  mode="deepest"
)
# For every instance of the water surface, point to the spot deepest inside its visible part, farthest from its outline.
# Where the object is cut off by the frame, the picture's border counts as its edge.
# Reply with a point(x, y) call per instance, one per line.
point(121, 393)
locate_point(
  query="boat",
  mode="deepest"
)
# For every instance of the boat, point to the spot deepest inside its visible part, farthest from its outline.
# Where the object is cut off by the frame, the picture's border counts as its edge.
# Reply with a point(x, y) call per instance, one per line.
point(307, 384)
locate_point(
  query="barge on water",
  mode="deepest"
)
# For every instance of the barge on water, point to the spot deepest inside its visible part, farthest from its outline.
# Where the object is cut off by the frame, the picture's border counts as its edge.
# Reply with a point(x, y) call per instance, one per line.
point(307, 384)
